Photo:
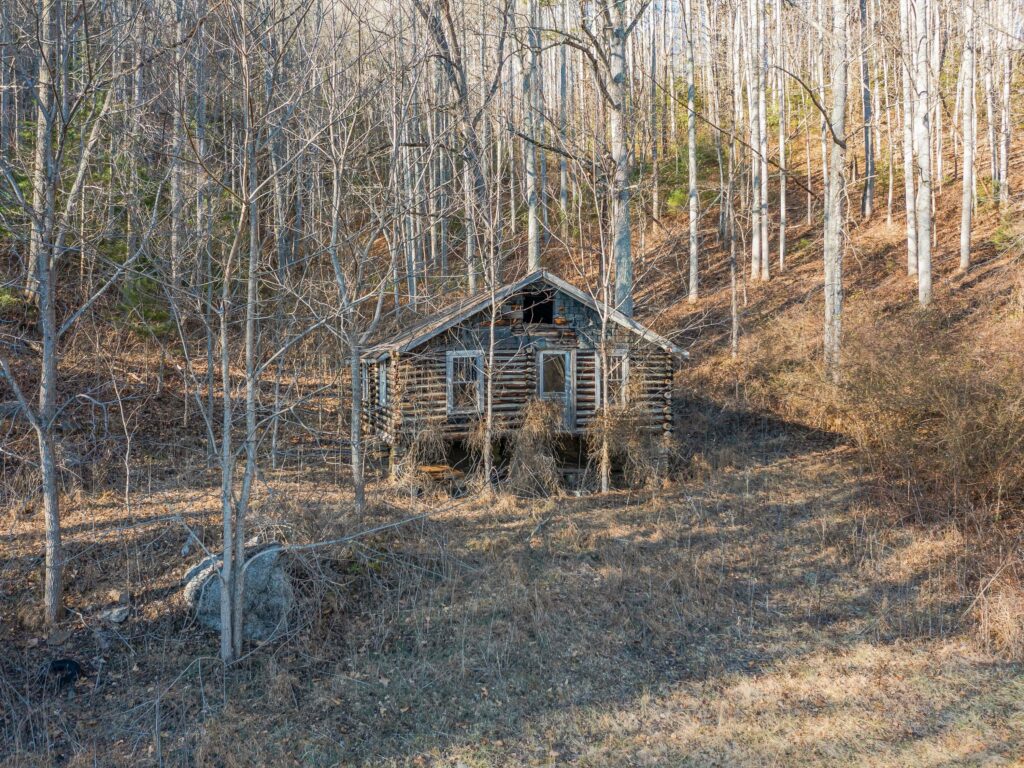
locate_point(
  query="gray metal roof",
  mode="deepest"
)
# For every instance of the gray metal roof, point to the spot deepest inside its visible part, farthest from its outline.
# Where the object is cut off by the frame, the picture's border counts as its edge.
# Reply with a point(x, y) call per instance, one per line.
point(439, 322)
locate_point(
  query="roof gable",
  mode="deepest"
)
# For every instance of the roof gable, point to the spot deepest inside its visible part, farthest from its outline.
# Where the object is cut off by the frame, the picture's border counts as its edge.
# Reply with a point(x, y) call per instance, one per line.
point(422, 332)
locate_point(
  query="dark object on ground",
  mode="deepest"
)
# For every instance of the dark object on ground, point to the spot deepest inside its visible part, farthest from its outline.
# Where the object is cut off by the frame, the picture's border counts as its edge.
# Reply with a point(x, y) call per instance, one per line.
point(60, 673)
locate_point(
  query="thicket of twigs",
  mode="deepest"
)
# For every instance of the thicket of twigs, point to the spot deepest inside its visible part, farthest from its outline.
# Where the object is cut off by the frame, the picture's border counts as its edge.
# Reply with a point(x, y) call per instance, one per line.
point(533, 465)
point(943, 426)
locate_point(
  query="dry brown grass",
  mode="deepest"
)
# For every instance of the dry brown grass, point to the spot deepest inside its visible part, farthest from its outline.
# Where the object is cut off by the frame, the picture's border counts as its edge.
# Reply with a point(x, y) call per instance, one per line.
point(931, 399)
point(941, 420)
point(767, 614)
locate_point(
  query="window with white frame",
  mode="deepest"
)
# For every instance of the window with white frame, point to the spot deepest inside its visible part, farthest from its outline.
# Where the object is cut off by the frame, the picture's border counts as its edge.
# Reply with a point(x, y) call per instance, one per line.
point(618, 377)
point(554, 375)
point(382, 382)
point(465, 381)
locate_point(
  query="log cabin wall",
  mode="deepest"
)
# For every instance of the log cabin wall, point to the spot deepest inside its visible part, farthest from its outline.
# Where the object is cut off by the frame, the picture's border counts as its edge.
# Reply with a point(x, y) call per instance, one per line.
point(418, 379)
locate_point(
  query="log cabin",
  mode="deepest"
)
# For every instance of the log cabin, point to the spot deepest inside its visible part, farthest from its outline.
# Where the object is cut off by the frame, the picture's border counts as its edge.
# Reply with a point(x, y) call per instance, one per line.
point(537, 338)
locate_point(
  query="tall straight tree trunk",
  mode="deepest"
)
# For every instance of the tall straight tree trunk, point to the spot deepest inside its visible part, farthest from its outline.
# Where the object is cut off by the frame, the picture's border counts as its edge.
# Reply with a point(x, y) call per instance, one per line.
point(471, 235)
point(867, 202)
point(653, 124)
point(41, 288)
point(834, 194)
point(563, 121)
point(820, 65)
point(762, 135)
point(909, 193)
point(6, 51)
point(935, 94)
point(807, 158)
point(1005, 105)
point(783, 127)
point(250, 188)
point(970, 140)
point(754, 142)
point(355, 425)
point(227, 462)
point(691, 148)
point(177, 129)
point(42, 190)
point(889, 140)
point(922, 145)
point(530, 77)
point(622, 252)
point(988, 87)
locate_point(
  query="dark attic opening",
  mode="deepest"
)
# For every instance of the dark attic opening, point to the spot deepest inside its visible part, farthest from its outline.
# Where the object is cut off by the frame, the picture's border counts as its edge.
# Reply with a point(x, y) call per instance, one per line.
point(538, 304)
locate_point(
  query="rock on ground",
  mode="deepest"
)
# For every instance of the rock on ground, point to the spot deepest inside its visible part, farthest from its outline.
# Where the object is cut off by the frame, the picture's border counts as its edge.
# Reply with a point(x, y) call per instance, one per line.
point(268, 596)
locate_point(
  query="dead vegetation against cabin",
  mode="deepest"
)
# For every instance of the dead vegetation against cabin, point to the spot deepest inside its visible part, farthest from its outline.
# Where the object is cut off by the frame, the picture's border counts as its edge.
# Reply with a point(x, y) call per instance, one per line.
point(533, 450)
point(641, 454)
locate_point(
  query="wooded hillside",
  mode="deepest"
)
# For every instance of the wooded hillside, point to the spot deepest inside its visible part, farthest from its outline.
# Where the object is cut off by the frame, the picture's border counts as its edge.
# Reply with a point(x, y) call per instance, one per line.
point(210, 210)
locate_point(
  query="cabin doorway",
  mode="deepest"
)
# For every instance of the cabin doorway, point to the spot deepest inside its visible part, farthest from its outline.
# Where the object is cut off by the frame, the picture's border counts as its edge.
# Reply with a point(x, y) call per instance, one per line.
point(556, 382)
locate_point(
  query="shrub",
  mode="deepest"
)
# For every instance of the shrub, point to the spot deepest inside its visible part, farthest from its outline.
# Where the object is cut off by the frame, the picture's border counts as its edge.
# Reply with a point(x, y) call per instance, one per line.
point(946, 423)
point(533, 469)
point(640, 450)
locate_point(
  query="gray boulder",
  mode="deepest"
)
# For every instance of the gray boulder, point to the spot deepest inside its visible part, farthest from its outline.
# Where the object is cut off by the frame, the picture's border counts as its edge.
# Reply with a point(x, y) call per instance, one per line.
point(267, 595)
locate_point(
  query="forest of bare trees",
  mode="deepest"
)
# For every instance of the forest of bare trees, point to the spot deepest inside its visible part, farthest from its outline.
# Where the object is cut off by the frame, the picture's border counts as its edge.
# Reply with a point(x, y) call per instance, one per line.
point(245, 175)
point(252, 185)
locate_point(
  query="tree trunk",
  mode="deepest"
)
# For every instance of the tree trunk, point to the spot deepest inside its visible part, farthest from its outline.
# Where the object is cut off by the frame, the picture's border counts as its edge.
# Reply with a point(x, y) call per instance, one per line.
point(967, 198)
point(41, 288)
point(227, 463)
point(922, 144)
point(621, 237)
point(530, 77)
point(906, 68)
point(834, 193)
point(42, 189)
point(653, 122)
point(691, 148)
point(783, 127)
point(762, 135)
point(563, 120)
point(1005, 106)
point(867, 202)
point(356, 428)
point(753, 113)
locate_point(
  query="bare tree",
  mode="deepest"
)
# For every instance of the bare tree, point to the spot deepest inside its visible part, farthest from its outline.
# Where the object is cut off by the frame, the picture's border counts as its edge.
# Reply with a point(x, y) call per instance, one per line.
point(920, 10)
point(51, 210)
point(834, 195)
point(691, 146)
point(967, 179)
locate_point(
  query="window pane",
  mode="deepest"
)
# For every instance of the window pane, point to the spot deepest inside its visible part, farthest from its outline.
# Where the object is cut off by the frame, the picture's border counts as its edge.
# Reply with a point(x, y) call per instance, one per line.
point(463, 369)
point(464, 394)
point(554, 374)
point(464, 384)
point(616, 378)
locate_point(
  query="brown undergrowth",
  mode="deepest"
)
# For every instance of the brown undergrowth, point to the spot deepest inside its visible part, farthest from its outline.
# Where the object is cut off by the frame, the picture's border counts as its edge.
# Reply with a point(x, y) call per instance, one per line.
point(932, 399)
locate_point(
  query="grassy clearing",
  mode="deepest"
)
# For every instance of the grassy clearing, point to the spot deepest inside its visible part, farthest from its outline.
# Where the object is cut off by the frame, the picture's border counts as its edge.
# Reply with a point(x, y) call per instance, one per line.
point(765, 612)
